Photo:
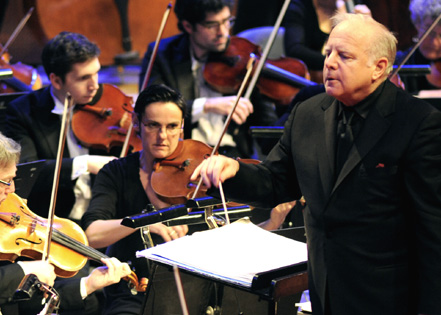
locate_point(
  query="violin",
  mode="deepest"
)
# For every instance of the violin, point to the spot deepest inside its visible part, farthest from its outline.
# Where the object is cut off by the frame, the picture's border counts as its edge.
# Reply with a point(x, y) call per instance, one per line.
point(280, 79)
point(104, 123)
point(25, 77)
point(178, 168)
point(23, 235)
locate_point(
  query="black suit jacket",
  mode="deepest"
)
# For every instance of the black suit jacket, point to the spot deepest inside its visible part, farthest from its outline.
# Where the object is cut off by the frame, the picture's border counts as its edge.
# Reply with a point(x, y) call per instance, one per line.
point(374, 230)
point(29, 121)
point(10, 278)
point(172, 67)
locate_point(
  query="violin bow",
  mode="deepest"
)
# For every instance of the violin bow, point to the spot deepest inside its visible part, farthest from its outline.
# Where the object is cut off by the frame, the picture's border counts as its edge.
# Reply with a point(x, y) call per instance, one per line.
point(423, 37)
point(17, 30)
point(266, 50)
point(211, 222)
point(68, 103)
point(148, 72)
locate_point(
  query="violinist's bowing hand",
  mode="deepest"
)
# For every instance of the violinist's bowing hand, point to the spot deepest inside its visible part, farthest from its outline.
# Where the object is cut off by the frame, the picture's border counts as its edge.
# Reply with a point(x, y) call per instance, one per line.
point(278, 215)
point(106, 275)
point(169, 233)
point(214, 169)
point(223, 106)
point(358, 8)
point(96, 162)
point(42, 269)
point(362, 9)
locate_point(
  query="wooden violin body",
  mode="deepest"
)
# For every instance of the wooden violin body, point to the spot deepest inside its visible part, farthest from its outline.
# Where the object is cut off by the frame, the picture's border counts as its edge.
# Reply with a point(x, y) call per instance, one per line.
point(25, 77)
point(171, 176)
point(170, 179)
point(105, 124)
point(23, 234)
point(280, 80)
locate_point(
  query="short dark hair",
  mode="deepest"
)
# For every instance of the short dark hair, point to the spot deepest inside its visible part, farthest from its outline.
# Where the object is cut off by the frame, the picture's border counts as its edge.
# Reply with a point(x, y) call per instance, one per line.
point(158, 93)
point(195, 11)
point(65, 50)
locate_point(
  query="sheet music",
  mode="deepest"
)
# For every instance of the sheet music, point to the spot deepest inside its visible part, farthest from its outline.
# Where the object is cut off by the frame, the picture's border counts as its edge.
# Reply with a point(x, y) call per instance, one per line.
point(233, 253)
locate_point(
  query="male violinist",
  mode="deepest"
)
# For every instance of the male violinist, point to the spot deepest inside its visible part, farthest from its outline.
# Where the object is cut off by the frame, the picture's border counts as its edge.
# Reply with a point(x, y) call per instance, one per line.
point(179, 63)
point(73, 292)
point(71, 63)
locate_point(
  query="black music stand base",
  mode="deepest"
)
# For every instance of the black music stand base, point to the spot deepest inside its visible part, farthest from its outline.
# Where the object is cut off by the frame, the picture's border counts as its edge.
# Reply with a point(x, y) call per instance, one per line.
point(204, 295)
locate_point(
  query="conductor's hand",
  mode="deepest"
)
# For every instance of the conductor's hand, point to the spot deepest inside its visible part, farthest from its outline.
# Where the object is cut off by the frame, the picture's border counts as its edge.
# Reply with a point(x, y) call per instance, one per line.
point(214, 169)
point(96, 162)
point(169, 233)
point(223, 106)
point(42, 269)
point(106, 275)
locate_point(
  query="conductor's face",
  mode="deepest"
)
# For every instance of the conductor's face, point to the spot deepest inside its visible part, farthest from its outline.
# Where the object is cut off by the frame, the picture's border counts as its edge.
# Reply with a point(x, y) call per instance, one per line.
point(348, 72)
point(7, 185)
point(160, 129)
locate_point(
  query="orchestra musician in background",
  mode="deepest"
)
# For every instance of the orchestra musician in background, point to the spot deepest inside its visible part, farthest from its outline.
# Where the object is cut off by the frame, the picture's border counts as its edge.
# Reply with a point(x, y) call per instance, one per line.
point(423, 14)
point(372, 186)
point(205, 26)
point(73, 292)
point(307, 26)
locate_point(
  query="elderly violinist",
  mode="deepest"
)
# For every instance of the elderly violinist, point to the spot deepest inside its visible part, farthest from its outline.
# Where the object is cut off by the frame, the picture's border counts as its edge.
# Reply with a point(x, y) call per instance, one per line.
point(205, 26)
point(73, 293)
point(367, 158)
point(423, 14)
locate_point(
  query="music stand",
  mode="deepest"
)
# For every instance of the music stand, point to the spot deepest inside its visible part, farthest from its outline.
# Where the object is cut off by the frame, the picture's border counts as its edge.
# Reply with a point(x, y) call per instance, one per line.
point(26, 177)
point(271, 285)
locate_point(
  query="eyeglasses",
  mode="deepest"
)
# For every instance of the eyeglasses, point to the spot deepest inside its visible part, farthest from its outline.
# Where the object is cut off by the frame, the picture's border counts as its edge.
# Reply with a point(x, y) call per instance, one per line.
point(215, 26)
point(8, 182)
point(171, 129)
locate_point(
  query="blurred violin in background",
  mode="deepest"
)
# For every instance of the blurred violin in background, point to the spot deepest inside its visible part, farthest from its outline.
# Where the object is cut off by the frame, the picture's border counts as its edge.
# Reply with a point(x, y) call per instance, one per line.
point(25, 77)
point(280, 79)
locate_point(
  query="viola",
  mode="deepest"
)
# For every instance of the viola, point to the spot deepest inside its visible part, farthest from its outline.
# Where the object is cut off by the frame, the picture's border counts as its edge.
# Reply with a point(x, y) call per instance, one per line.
point(280, 79)
point(23, 235)
point(104, 123)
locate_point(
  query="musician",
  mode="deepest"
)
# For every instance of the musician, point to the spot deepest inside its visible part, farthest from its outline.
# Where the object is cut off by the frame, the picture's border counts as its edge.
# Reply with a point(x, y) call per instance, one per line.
point(374, 227)
point(307, 25)
point(423, 15)
point(122, 188)
point(205, 26)
point(34, 120)
point(73, 292)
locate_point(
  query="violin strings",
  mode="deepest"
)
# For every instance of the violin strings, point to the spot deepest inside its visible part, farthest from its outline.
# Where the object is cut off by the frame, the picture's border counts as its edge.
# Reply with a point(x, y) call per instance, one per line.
point(77, 246)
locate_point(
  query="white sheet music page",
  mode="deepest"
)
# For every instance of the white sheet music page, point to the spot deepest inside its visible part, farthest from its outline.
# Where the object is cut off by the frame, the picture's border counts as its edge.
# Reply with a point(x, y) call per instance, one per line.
point(233, 253)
